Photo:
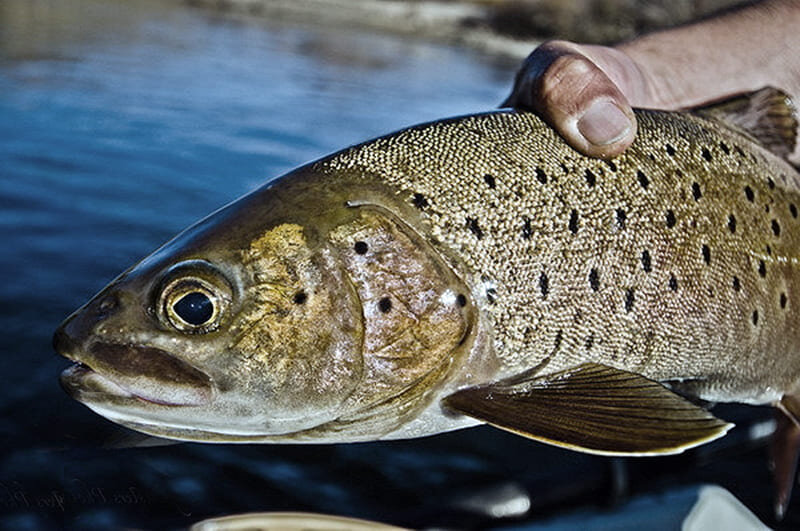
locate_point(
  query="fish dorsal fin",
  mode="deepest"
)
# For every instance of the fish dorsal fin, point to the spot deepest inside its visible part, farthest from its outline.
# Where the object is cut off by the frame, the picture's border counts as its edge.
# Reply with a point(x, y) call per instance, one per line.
point(592, 408)
point(768, 115)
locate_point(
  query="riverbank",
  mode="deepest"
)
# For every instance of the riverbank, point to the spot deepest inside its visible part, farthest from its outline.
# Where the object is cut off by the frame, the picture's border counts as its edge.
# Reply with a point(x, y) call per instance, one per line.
point(509, 27)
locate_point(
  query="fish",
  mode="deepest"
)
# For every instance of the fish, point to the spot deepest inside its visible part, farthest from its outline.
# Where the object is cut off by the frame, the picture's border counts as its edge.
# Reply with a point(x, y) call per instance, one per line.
point(474, 270)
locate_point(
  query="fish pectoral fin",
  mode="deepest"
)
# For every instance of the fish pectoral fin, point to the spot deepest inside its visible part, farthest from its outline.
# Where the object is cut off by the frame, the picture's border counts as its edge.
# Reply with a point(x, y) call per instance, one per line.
point(767, 114)
point(592, 408)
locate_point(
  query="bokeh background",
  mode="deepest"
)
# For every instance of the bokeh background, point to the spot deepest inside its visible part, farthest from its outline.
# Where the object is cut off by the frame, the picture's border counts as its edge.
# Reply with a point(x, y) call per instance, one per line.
point(123, 122)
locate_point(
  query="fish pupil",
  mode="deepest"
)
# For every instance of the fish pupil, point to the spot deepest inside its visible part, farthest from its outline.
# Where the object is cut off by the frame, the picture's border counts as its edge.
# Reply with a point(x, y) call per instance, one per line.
point(194, 308)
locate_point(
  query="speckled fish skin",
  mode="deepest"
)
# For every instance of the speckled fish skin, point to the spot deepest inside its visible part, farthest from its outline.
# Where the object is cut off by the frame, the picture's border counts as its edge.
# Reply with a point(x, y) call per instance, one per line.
point(360, 290)
point(677, 260)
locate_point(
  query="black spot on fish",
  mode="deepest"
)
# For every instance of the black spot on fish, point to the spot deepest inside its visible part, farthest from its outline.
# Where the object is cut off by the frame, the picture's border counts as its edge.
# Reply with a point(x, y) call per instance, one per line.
point(472, 223)
point(783, 300)
point(673, 283)
point(732, 223)
point(361, 247)
point(736, 284)
point(768, 249)
point(544, 285)
point(696, 192)
point(755, 317)
point(594, 279)
point(611, 165)
point(491, 295)
point(724, 147)
point(621, 217)
point(461, 300)
point(419, 201)
point(776, 228)
point(557, 341)
point(770, 183)
point(385, 305)
point(762, 268)
point(644, 182)
point(541, 175)
point(766, 209)
point(646, 261)
point(670, 219)
point(748, 193)
point(591, 179)
point(706, 254)
point(670, 150)
point(793, 210)
point(573, 222)
point(739, 151)
point(629, 300)
point(527, 230)
point(589, 342)
point(564, 168)
point(300, 297)
point(490, 181)
point(707, 154)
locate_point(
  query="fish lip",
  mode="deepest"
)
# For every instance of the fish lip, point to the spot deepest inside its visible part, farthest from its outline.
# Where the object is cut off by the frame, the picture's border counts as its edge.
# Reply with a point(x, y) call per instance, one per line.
point(87, 380)
point(81, 382)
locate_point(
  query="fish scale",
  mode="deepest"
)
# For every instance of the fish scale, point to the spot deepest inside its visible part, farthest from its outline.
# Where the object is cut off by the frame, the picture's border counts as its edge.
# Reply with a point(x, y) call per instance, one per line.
point(703, 330)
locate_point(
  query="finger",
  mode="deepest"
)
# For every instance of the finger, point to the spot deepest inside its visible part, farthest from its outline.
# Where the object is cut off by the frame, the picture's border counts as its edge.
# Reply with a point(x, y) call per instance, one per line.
point(577, 98)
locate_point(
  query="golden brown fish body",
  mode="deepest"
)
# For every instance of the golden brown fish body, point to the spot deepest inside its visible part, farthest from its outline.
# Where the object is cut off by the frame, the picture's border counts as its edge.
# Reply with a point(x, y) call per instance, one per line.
point(474, 268)
point(678, 260)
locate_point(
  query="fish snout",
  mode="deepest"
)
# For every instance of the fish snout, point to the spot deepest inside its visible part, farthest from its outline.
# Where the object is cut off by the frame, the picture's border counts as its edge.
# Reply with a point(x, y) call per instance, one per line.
point(78, 327)
point(116, 363)
point(62, 342)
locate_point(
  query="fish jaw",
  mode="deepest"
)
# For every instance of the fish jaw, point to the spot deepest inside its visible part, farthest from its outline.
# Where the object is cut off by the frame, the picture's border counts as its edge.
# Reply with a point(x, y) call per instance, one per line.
point(140, 374)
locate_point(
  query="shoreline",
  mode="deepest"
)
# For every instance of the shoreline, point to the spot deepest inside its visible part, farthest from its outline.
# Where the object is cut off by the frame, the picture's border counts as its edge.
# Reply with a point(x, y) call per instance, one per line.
point(457, 22)
point(512, 28)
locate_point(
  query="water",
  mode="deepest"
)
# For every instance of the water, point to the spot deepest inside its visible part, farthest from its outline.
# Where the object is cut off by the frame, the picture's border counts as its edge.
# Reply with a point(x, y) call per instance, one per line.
point(122, 123)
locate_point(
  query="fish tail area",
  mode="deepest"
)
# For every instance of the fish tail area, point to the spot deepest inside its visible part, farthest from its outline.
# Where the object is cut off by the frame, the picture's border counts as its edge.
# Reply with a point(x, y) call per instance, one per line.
point(783, 451)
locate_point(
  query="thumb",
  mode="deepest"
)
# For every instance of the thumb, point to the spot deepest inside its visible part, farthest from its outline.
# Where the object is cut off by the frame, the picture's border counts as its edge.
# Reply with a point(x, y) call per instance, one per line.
point(577, 98)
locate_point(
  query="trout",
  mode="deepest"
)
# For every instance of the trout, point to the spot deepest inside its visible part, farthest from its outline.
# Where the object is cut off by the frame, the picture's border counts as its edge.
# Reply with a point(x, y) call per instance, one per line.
point(472, 270)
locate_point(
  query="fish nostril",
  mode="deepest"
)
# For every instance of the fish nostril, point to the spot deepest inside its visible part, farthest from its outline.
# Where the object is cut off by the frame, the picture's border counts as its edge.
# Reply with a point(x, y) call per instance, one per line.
point(107, 305)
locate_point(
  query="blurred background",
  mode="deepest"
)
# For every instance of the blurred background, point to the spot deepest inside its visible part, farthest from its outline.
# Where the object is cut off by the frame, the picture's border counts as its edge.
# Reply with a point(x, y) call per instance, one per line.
point(123, 122)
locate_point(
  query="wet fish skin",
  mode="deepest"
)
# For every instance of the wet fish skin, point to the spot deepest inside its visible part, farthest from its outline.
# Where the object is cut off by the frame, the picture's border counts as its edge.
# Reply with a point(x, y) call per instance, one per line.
point(356, 292)
point(657, 262)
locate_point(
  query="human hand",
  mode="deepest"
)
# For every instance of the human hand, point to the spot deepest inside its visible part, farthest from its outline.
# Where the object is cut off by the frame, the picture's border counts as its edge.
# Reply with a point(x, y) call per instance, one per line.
point(585, 92)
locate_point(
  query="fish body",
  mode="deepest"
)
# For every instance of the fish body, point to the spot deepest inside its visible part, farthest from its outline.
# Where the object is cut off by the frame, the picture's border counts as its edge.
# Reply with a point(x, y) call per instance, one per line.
point(469, 270)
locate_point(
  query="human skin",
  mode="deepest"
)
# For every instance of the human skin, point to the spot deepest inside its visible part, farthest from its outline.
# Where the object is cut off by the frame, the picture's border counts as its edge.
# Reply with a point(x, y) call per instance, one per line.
point(586, 92)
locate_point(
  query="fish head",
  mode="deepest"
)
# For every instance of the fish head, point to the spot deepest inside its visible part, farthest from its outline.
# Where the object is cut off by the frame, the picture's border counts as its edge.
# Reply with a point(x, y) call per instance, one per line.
point(273, 321)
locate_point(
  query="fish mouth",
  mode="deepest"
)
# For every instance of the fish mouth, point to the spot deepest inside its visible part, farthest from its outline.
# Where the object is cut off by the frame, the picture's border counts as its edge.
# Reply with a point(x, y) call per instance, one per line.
point(80, 379)
point(131, 374)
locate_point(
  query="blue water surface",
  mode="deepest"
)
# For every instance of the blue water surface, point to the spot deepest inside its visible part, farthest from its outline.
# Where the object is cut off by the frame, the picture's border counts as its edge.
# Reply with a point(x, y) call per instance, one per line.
point(123, 122)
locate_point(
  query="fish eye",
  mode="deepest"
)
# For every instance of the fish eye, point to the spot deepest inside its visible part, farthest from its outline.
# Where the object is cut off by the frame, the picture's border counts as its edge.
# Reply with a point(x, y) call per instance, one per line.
point(191, 305)
point(195, 308)
point(192, 297)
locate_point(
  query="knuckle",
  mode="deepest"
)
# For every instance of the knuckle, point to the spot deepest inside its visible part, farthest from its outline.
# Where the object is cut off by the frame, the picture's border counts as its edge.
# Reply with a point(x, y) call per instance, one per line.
point(566, 80)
